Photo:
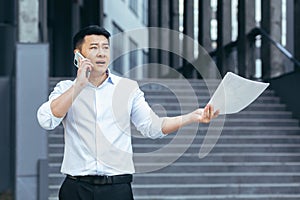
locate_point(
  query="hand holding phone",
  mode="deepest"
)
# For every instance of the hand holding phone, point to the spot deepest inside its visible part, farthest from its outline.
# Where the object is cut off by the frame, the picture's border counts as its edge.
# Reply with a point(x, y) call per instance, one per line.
point(78, 56)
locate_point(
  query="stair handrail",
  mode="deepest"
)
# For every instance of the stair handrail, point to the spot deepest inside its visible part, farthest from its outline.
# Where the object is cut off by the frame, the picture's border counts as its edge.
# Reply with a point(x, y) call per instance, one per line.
point(260, 31)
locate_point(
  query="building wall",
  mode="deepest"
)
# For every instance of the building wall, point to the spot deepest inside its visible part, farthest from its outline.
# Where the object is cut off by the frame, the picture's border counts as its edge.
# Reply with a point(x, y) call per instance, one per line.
point(118, 13)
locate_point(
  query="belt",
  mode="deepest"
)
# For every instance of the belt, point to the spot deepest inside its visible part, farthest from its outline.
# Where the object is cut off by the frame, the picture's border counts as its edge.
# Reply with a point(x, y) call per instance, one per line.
point(103, 180)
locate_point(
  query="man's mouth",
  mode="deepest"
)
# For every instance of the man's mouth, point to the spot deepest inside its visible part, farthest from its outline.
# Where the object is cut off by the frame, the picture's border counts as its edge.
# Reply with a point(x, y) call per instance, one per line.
point(100, 62)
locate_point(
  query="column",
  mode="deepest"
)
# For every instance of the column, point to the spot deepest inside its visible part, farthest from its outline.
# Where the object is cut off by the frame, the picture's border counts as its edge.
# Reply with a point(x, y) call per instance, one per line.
point(31, 140)
point(228, 60)
point(272, 59)
point(43, 20)
point(153, 6)
point(250, 50)
point(290, 32)
point(7, 51)
point(60, 36)
point(227, 27)
point(242, 37)
point(246, 22)
point(204, 20)
point(31, 89)
point(164, 37)
point(250, 15)
point(28, 21)
point(7, 36)
point(175, 42)
point(90, 13)
point(220, 50)
point(297, 29)
point(204, 39)
point(6, 143)
point(188, 31)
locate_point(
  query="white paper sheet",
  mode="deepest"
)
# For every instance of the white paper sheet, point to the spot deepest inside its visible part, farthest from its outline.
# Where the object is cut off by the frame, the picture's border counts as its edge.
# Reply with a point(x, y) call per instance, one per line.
point(235, 93)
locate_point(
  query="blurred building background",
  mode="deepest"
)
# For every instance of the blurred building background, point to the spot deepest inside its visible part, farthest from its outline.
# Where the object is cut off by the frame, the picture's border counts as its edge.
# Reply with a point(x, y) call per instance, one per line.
point(256, 39)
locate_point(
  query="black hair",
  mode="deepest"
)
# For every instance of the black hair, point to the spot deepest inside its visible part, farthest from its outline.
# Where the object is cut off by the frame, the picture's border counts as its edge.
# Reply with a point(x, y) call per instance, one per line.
point(89, 30)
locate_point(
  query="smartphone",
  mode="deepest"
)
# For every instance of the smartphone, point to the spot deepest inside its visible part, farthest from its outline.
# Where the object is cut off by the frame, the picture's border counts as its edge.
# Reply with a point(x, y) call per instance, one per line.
point(76, 58)
point(76, 62)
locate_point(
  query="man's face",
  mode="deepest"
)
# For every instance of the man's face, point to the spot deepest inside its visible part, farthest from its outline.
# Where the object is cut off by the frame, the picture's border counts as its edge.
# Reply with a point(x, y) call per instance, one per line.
point(96, 48)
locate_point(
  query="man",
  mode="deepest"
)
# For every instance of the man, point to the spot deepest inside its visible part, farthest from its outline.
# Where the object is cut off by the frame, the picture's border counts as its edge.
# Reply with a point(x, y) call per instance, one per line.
point(96, 110)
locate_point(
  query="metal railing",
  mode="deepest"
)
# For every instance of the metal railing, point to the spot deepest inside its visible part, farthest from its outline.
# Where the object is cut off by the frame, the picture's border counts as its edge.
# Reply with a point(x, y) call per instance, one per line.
point(253, 55)
point(259, 31)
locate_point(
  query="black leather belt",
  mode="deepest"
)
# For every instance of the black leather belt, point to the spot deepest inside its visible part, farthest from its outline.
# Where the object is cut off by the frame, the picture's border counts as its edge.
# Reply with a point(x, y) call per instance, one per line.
point(102, 180)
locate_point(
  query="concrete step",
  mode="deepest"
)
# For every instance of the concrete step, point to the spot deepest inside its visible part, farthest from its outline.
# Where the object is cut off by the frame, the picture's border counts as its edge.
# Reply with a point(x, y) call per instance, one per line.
point(269, 196)
point(217, 189)
point(222, 141)
point(218, 148)
point(243, 114)
point(211, 157)
point(216, 177)
point(187, 107)
point(201, 99)
point(197, 94)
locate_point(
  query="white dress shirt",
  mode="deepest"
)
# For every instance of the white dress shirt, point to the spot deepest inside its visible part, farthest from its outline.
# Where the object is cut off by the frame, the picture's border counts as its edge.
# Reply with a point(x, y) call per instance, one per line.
point(97, 126)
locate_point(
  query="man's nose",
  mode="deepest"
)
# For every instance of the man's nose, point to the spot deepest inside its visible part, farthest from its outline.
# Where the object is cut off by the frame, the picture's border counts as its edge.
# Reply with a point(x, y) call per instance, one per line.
point(101, 52)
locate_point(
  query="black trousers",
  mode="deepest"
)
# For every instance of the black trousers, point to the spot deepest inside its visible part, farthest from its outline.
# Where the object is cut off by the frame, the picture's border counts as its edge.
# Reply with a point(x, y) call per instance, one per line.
point(78, 190)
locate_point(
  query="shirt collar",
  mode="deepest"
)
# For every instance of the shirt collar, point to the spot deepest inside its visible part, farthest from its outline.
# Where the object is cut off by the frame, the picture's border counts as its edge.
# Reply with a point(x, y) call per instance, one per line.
point(110, 77)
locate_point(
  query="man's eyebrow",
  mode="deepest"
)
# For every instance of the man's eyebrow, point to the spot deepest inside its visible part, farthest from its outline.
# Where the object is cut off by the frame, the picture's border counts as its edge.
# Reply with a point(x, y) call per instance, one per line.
point(96, 43)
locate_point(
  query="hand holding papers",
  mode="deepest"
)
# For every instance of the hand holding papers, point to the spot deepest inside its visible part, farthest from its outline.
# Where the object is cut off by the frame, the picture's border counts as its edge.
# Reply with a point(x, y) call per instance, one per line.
point(235, 93)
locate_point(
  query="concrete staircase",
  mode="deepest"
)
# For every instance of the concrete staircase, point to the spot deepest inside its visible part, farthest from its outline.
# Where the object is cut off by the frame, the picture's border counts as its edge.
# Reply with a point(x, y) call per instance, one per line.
point(256, 157)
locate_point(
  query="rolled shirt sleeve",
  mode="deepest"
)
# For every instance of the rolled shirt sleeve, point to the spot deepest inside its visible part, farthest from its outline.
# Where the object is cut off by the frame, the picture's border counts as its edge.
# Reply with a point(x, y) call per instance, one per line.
point(45, 116)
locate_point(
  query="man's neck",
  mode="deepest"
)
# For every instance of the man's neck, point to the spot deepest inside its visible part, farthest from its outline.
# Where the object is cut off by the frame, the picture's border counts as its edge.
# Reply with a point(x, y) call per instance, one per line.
point(98, 80)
